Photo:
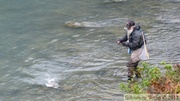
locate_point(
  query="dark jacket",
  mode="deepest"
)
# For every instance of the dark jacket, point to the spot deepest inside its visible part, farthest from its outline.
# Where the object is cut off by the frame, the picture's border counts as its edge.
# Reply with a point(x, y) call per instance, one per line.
point(135, 39)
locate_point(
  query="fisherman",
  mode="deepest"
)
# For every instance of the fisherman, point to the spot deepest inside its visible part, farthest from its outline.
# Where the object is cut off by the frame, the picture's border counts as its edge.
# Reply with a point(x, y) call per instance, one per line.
point(134, 41)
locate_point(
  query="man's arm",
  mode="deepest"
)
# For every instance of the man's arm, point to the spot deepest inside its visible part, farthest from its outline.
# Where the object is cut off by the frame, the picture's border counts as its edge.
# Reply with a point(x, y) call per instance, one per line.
point(122, 39)
point(134, 43)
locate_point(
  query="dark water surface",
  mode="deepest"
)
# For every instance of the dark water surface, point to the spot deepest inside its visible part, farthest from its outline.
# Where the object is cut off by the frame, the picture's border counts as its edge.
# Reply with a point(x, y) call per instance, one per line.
point(35, 46)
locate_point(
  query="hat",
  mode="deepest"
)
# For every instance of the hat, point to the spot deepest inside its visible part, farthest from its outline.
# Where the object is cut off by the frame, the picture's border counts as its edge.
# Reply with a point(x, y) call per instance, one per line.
point(129, 24)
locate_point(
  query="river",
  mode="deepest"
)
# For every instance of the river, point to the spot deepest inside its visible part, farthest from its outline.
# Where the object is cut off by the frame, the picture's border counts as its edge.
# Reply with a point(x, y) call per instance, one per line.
point(88, 65)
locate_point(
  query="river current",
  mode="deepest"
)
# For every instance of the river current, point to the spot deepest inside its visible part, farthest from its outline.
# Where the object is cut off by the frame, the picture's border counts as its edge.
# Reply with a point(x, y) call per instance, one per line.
point(87, 64)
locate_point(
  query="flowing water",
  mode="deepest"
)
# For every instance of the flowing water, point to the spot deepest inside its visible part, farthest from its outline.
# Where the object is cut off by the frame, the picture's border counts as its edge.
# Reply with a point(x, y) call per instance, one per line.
point(87, 64)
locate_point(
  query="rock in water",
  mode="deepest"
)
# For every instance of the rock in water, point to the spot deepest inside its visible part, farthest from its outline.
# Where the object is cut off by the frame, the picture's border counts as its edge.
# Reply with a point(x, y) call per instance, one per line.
point(74, 24)
point(111, 1)
point(115, 22)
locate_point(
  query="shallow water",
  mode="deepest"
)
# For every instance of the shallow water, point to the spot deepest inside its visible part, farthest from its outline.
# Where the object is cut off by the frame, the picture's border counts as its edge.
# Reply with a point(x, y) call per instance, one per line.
point(86, 62)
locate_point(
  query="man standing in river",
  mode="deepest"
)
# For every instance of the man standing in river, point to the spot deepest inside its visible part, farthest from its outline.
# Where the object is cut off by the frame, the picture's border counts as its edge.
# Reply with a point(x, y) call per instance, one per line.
point(134, 41)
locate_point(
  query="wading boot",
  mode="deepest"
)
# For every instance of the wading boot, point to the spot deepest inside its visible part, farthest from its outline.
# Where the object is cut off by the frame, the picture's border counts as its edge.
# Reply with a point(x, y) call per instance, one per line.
point(129, 78)
point(130, 73)
point(138, 75)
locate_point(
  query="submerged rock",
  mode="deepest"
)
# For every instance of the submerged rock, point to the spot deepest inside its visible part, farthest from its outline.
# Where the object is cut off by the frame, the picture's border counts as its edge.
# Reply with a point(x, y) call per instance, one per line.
point(109, 1)
point(103, 23)
point(74, 24)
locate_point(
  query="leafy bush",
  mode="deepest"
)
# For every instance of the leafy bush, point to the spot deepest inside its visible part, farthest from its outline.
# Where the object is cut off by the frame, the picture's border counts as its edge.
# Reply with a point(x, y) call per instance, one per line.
point(154, 81)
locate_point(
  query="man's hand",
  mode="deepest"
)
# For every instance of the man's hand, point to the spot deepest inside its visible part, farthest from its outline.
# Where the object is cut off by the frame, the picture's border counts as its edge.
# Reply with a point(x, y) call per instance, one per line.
point(118, 42)
point(124, 43)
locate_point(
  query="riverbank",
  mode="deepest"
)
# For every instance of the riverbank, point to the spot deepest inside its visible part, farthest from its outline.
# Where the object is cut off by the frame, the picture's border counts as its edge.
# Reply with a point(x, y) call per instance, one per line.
point(154, 82)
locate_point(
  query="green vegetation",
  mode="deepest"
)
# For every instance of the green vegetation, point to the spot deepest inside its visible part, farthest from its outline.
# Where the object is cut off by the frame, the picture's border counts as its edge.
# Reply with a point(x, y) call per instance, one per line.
point(154, 81)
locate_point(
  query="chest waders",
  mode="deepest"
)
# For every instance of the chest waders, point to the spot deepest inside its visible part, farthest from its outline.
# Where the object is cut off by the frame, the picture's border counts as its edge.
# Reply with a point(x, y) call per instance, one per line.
point(132, 64)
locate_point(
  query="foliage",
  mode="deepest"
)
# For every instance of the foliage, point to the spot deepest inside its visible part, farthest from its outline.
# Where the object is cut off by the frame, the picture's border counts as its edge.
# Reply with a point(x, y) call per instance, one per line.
point(154, 81)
